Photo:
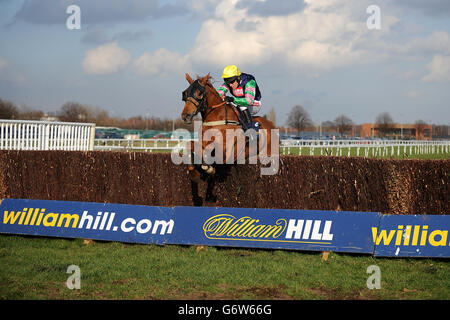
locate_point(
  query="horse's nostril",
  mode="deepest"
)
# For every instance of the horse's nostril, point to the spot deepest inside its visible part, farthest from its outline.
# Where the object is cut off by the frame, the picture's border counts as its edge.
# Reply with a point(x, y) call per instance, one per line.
point(186, 118)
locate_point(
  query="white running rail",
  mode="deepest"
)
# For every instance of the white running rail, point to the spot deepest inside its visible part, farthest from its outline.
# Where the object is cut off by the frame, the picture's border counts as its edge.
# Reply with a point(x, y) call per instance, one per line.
point(148, 145)
point(46, 135)
point(383, 148)
point(364, 148)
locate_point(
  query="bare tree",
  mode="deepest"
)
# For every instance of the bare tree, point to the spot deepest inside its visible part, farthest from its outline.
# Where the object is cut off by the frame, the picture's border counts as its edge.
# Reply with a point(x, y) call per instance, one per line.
point(343, 124)
point(299, 118)
point(27, 113)
point(74, 112)
point(385, 122)
point(8, 110)
point(272, 116)
point(329, 126)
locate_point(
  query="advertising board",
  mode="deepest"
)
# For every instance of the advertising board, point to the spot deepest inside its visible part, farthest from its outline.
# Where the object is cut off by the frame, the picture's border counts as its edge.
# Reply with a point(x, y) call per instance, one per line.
point(98, 221)
point(412, 236)
point(309, 230)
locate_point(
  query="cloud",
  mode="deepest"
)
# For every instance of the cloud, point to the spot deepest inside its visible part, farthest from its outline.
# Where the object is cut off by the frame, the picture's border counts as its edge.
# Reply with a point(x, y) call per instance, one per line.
point(413, 94)
point(437, 42)
point(99, 35)
point(129, 36)
point(98, 11)
point(96, 36)
point(322, 55)
point(272, 7)
point(203, 9)
point(3, 63)
point(312, 39)
point(106, 59)
point(436, 8)
point(162, 63)
point(439, 69)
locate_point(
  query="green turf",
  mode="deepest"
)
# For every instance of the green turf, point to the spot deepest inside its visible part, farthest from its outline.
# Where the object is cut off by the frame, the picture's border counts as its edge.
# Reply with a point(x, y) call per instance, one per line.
point(36, 268)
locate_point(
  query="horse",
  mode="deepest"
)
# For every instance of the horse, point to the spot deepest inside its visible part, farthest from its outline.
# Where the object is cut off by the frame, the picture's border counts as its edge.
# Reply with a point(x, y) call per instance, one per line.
point(220, 118)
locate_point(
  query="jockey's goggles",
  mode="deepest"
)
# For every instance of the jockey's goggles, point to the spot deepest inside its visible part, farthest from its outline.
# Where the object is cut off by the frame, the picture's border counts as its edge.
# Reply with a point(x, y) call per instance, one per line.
point(231, 80)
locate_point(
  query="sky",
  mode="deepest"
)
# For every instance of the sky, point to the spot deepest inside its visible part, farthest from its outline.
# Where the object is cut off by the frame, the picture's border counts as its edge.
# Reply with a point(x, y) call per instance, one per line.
point(129, 57)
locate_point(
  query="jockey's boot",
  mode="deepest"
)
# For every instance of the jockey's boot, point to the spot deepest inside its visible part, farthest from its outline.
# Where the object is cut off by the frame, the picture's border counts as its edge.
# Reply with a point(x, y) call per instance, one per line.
point(249, 123)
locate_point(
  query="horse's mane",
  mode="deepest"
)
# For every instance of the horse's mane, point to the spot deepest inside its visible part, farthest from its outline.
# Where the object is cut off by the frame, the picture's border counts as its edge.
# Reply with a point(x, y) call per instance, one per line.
point(209, 83)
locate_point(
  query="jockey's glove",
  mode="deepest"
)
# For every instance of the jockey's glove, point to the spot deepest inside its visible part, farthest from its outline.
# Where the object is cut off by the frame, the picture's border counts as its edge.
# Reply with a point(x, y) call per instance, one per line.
point(229, 99)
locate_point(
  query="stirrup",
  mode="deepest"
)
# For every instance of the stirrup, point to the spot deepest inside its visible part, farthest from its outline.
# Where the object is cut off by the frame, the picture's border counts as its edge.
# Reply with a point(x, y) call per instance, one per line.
point(255, 125)
point(250, 123)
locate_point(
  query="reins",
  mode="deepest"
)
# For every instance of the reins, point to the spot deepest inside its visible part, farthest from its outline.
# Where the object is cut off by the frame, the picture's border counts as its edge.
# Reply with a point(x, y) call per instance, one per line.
point(220, 122)
point(218, 105)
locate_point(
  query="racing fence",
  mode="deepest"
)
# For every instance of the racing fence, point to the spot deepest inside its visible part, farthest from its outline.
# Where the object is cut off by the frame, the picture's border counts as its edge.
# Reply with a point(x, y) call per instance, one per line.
point(363, 148)
point(313, 183)
point(46, 135)
point(147, 145)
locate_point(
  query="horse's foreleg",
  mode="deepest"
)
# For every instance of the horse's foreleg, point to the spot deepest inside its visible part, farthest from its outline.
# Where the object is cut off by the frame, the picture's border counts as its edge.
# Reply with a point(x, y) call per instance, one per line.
point(194, 174)
point(193, 168)
point(209, 169)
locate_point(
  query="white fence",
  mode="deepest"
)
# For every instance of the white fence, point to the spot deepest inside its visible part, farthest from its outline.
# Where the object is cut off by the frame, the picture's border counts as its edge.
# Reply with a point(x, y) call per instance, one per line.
point(148, 145)
point(382, 148)
point(365, 148)
point(46, 135)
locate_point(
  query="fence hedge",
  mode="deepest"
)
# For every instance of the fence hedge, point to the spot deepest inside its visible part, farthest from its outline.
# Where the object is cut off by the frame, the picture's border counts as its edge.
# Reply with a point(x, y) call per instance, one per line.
point(319, 183)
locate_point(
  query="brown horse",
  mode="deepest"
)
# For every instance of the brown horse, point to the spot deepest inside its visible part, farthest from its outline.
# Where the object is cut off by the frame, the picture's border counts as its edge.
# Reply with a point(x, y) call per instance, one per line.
point(219, 120)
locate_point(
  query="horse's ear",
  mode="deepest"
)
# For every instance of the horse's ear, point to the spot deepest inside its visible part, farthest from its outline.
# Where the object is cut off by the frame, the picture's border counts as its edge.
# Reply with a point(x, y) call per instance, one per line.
point(189, 79)
point(205, 79)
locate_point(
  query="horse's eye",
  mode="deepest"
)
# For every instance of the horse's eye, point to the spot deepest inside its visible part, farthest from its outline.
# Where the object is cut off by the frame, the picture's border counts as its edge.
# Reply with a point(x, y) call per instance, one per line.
point(198, 94)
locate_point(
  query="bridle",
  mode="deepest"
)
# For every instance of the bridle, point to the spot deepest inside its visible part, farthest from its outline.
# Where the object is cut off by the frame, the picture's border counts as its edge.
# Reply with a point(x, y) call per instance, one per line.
point(190, 95)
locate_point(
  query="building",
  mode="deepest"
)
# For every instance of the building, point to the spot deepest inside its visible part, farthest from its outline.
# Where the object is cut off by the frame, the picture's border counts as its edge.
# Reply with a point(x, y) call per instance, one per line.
point(397, 131)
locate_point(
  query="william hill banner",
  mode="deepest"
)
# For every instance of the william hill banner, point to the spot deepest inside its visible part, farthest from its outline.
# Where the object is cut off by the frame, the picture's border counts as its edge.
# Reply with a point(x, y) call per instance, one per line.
point(358, 232)
point(99, 221)
point(276, 228)
point(412, 236)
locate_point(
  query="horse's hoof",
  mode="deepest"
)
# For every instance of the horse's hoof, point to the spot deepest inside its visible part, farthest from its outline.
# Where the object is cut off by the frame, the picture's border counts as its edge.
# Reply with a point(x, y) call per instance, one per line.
point(205, 167)
point(211, 170)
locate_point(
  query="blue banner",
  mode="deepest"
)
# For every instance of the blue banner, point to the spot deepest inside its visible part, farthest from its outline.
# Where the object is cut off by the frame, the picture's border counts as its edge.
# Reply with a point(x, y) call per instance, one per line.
point(309, 230)
point(99, 221)
point(275, 228)
point(412, 236)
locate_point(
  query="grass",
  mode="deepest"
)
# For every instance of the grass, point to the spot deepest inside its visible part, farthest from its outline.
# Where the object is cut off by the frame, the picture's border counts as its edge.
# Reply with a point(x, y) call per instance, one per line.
point(35, 268)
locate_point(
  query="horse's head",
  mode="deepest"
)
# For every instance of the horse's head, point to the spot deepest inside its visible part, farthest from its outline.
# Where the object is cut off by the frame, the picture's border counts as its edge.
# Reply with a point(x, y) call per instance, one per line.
point(194, 97)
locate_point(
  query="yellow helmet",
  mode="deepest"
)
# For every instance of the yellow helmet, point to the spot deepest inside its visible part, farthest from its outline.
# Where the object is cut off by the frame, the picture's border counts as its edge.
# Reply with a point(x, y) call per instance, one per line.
point(231, 71)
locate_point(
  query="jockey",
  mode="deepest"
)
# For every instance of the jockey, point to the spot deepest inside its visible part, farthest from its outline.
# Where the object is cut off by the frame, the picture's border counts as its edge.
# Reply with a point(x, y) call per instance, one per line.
point(245, 93)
